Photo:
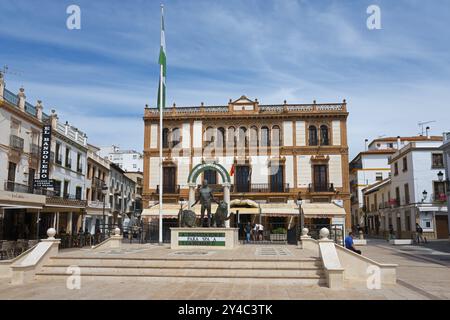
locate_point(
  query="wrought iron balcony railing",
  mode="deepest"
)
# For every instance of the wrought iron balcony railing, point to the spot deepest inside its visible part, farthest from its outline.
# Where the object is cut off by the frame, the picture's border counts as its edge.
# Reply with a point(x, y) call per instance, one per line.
point(321, 187)
point(16, 142)
point(35, 150)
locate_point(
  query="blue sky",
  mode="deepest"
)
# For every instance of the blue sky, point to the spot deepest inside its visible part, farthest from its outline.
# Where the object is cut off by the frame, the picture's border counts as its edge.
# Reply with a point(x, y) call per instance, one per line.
point(100, 77)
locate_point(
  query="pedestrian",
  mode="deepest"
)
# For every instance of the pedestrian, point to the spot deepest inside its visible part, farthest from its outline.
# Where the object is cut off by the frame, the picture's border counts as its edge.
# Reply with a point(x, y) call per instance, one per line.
point(349, 243)
point(255, 232)
point(391, 232)
point(419, 234)
point(260, 232)
point(248, 231)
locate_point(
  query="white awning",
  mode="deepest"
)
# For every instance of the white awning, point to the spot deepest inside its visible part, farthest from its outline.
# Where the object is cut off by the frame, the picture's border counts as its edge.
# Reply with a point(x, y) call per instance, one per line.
point(433, 209)
point(319, 209)
point(12, 206)
point(278, 209)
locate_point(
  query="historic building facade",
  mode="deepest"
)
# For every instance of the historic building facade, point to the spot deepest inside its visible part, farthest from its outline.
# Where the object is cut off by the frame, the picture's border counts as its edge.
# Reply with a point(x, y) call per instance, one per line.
point(275, 154)
point(416, 192)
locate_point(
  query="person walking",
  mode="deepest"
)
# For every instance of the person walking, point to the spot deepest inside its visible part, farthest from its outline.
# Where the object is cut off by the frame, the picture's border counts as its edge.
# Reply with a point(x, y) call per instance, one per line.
point(419, 234)
point(349, 243)
point(248, 231)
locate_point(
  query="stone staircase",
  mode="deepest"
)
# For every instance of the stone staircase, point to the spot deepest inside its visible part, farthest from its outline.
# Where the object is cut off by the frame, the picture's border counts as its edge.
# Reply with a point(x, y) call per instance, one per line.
point(303, 271)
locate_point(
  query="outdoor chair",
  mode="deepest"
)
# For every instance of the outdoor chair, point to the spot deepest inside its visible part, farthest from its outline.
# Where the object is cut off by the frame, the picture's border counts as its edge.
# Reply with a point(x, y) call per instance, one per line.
point(7, 250)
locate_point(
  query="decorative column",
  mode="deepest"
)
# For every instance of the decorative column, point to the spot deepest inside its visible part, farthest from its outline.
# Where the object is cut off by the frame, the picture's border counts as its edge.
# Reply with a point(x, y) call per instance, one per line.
point(226, 198)
point(191, 195)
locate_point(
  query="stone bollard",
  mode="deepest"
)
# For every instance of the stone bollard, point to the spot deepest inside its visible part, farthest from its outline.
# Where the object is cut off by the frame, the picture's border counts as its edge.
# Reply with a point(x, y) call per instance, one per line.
point(361, 235)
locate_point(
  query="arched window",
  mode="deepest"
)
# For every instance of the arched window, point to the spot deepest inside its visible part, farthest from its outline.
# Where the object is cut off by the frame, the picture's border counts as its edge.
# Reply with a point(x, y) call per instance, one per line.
point(324, 140)
point(265, 137)
point(209, 136)
point(253, 136)
point(242, 137)
point(220, 141)
point(313, 136)
point(276, 136)
point(165, 138)
point(231, 137)
point(176, 137)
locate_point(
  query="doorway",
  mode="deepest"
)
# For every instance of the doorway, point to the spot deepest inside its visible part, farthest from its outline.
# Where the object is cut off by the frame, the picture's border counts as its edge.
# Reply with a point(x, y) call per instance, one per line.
point(169, 179)
point(442, 227)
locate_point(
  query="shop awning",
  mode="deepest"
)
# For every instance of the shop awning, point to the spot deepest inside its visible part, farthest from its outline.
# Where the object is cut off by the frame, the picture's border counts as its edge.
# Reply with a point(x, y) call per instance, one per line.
point(245, 210)
point(432, 209)
point(279, 209)
point(12, 206)
point(312, 210)
point(169, 211)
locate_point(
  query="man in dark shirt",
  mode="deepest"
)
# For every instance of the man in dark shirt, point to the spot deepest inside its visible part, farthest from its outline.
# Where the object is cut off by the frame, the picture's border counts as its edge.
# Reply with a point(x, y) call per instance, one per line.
point(349, 243)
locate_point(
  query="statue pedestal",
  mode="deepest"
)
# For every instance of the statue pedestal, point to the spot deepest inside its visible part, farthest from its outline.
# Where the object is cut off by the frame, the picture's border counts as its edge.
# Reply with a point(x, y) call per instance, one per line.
point(204, 238)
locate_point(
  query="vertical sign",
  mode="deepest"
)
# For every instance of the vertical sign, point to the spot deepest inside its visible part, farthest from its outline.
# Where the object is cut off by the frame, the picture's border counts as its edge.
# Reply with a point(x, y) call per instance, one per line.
point(44, 181)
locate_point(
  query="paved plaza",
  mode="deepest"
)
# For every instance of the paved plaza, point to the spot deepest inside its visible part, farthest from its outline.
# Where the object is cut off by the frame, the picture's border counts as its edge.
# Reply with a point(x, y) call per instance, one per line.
point(419, 277)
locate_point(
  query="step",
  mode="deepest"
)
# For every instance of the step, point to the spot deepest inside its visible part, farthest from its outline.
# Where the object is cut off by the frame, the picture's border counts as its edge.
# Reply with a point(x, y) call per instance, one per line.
point(184, 263)
point(173, 272)
point(303, 281)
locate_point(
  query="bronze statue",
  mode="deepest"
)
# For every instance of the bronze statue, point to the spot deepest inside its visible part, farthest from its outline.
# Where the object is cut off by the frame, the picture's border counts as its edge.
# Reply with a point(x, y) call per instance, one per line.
point(221, 215)
point(186, 218)
point(205, 198)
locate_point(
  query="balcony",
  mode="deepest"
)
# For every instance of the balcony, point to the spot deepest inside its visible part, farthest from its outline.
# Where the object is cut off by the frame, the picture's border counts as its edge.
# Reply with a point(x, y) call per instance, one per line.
point(98, 204)
point(439, 197)
point(322, 187)
point(16, 142)
point(66, 200)
point(17, 187)
point(97, 183)
point(35, 151)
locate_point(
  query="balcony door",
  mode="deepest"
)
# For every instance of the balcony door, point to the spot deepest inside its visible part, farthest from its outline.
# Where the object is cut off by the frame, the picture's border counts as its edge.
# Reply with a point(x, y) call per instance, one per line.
point(242, 178)
point(11, 176)
point(276, 179)
point(320, 178)
point(169, 179)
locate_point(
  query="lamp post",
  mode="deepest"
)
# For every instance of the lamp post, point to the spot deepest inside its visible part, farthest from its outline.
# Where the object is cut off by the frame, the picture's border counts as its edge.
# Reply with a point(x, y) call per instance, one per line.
point(104, 192)
point(440, 176)
point(300, 214)
point(424, 194)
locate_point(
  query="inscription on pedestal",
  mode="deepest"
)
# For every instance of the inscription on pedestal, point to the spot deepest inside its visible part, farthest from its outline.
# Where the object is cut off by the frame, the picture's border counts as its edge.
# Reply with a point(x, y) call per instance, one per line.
point(215, 239)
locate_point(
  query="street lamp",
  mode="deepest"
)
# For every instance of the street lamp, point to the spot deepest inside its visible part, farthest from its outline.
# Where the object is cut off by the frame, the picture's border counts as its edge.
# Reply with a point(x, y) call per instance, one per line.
point(104, 192)
point(440, 176)
point(300, 213)
point(424, 193)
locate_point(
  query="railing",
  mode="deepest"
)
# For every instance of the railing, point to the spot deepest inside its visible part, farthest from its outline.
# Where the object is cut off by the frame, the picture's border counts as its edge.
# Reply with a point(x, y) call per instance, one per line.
point(11, 97)
point(439, 197)
point(35, 150)
point(69, 196)
point(16, 142)
point(169, 189)
point(97, 183)
point(30, 109)
point(17, 187)
point(336, 231)
point(96, 204)
point(322, 187)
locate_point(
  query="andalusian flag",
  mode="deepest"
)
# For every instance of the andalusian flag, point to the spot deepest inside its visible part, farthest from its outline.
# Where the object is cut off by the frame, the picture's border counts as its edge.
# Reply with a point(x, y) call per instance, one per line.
point(162, 63)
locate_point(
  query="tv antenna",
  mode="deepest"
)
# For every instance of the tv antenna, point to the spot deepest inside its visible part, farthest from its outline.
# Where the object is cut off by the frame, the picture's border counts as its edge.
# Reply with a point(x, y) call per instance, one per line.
point(6, 70)
point(422, 124)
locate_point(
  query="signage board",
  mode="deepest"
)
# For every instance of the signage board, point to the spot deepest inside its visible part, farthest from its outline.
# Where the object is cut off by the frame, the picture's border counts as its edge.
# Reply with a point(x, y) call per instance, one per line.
point(215, 239)
point(44, 175)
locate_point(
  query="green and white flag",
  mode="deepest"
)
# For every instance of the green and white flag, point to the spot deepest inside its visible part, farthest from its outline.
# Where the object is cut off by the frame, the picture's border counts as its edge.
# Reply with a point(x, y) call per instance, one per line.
point(163, 67)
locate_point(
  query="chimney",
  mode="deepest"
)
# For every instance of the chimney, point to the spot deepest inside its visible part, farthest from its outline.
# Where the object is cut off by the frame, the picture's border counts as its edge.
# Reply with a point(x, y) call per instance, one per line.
point(39, 108)
point(365, 143)
point(54, 120)
point(22, 99)
point(399, 141)
point(2, 86)
point(428, 132)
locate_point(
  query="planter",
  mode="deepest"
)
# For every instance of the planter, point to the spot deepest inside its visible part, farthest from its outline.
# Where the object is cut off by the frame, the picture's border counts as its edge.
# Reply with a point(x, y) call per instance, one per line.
point(278, 237)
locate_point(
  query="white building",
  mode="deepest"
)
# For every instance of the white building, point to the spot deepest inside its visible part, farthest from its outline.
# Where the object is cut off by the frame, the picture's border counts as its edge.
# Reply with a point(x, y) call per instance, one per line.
point(446, 149)
point(65, 208)
point(127, 160)
point(416, 193)
point(20, 132)
point(371, 166)
point(121, 194)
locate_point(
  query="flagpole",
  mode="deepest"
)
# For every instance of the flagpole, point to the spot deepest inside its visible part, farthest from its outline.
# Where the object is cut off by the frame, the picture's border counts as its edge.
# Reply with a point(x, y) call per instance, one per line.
point(161, 111)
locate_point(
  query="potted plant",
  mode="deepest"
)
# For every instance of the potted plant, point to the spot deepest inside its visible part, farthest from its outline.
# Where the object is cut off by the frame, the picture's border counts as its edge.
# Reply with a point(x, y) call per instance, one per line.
point(278, 234)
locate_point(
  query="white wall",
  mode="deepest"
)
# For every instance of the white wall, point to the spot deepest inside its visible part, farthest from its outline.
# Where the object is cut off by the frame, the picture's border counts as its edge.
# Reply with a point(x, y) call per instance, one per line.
point(335, 170)
point(287, 133)
point(300, 131)
point(198, 137)
point(336, 129)
point(304, 171)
